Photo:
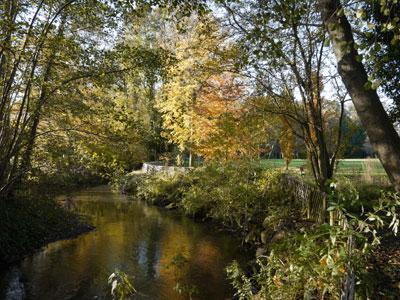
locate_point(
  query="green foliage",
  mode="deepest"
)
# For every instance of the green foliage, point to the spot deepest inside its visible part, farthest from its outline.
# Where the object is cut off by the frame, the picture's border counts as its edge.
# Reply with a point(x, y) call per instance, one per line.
point(121, 286)
point(188, 290)
point(240, 282)
point(314, 263)
point(162, 189)
point(379, 40)
point(106, 124)
point(236, 193)
point(224, 195)
point(238, 201)
point(42, 58)
point(343, 193)
point(126, 183)
point(303, 265)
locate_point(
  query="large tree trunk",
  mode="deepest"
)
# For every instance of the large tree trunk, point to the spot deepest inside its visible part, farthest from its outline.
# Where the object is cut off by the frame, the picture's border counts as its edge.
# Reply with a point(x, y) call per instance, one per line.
point(383, 136)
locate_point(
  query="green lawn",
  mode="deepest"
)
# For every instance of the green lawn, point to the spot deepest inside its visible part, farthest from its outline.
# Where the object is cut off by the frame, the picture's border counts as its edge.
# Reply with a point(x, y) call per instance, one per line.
point(346, 166)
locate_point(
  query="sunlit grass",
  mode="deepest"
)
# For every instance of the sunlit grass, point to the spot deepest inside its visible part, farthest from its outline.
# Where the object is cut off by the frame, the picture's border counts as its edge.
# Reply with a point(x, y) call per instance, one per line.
point(346, 166)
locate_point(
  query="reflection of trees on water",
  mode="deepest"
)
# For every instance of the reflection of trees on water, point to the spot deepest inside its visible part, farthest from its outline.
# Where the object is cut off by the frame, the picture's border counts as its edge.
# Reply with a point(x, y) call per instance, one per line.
point(153, 250)
point(138, 239)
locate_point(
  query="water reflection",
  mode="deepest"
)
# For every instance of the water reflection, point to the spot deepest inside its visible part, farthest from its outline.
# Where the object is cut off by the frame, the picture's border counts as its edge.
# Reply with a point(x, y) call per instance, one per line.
point(138, 239)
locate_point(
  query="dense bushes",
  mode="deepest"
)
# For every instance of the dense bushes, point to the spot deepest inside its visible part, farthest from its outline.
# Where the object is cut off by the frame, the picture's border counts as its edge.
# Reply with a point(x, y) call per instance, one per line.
point(28, 224)
point(316, 263)
point(298, 258)
point(304, 265)
point(161, 189)
point(236, 194)
point(126, 183)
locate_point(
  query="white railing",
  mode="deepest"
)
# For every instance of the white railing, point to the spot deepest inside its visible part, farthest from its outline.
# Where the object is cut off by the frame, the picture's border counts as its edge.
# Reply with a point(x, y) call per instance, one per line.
point(159, 166)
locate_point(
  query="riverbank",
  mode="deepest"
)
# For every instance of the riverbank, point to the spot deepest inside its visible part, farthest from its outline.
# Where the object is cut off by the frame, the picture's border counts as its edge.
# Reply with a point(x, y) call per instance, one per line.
point(30, 222)
point(31, 217)
point(239, 204)
point(307, 257)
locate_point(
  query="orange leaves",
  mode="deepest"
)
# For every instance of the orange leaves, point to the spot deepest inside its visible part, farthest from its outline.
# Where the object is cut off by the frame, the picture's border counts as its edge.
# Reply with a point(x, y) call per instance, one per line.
point(205, 110)
point(217, 117)
point(226, 123)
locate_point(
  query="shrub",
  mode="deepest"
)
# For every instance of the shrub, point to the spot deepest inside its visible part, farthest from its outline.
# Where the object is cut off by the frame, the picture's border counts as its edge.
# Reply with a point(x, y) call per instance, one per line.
point(235, 193)
point(126, 183)
point(238, 194)
point(162, 189)
point(121, 285)
point(316, 263)
point(301, 266)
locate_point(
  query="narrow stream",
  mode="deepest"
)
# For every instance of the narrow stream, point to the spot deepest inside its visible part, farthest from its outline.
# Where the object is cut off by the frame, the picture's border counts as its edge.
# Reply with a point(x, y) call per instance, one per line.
point(141, 240)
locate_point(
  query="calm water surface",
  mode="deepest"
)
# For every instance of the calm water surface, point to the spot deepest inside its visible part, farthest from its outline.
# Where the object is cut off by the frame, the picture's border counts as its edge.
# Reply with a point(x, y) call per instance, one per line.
point(138, 239)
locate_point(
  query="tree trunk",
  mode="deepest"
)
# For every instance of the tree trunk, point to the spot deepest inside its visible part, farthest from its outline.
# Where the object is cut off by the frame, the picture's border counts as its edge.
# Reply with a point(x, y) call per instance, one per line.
point(25, 164)
point(383, 136)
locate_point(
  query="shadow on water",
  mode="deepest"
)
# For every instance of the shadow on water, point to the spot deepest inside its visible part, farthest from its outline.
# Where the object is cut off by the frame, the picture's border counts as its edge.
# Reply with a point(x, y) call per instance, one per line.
point(138, 239)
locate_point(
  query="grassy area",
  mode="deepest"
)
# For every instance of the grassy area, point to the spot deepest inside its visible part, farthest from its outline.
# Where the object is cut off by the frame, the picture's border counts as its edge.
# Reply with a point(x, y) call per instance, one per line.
point(345, 167)
point(280, 163)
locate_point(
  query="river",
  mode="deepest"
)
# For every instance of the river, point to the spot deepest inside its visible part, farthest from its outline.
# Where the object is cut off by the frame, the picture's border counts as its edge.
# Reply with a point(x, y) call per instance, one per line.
point(155, 247)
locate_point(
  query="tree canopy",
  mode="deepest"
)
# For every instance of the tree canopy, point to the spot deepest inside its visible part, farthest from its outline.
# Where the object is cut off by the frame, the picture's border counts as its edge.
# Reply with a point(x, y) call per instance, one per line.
point(94, 87)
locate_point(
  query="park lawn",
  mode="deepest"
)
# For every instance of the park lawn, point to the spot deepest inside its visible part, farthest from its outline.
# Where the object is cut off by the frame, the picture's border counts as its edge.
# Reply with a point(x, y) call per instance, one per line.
point(346, 166)
point(280, 163)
